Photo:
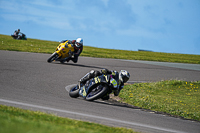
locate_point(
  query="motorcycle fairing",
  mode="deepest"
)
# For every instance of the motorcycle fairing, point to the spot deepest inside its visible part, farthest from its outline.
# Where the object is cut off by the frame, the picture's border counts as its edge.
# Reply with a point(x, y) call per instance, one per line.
point(93, 83)
point(63, 49)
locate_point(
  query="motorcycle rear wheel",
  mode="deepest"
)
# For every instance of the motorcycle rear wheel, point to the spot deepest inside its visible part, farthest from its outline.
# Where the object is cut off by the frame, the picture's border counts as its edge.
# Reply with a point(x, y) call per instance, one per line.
point(52, 57)
point(97, 93)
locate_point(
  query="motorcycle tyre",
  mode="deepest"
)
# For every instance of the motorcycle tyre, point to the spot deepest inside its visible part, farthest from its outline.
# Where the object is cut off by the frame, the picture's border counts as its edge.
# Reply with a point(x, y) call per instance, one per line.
point(74, 93)
point(100, 94)
point(52, 57)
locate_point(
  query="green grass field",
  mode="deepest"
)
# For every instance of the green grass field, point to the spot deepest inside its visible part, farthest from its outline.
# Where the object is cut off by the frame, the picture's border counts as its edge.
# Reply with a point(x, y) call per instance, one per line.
point(15, 120)
point(178, 98)
point(175, 97)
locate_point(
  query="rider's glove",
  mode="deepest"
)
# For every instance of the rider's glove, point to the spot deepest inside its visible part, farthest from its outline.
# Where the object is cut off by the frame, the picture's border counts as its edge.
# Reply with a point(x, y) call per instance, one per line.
point(73, 41)
point(104, 71)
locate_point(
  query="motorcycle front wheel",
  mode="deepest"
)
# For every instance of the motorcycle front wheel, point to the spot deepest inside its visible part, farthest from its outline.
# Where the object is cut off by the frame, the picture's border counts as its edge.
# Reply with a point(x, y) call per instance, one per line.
point(52, 57)
point(74, 91)
point(97, 92)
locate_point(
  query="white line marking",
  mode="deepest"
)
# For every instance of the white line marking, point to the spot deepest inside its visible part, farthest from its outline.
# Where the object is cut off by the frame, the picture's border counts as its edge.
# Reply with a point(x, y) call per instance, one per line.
point(91, 116)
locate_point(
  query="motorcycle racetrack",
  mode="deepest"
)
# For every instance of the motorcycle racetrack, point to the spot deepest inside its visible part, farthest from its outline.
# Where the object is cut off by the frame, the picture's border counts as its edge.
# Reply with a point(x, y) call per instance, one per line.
point(29, 82)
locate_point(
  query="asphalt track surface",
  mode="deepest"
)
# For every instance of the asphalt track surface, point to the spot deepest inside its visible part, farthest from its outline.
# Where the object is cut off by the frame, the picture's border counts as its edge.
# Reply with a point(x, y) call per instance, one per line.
point(28, 81)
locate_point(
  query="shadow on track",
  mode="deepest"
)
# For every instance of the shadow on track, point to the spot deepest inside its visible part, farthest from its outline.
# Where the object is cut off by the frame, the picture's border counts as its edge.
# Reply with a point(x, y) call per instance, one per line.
point(112, 102)
point(79, 65)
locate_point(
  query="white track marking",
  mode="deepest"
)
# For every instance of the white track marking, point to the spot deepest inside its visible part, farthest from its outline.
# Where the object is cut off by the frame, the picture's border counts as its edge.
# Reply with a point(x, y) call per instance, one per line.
point(91, 116)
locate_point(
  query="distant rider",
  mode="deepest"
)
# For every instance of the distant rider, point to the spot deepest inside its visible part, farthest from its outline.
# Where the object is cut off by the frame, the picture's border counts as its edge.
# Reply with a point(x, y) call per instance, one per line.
point(121, 78)
point(16, 34)
point(78, 47)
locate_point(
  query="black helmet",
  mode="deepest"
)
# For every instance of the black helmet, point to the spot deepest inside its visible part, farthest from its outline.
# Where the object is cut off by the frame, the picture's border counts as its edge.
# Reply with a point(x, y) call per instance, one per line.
point(124, 76)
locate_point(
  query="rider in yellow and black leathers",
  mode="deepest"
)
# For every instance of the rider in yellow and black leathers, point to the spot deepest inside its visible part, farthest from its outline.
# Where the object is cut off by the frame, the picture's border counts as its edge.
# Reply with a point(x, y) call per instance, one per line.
point(121, 78)
point(78, 47)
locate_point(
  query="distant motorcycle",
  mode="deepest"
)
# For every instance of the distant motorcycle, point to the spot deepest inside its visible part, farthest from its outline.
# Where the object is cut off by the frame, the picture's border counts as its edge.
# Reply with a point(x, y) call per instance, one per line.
point(95, 88)
point(63, 52)
point(19, 37)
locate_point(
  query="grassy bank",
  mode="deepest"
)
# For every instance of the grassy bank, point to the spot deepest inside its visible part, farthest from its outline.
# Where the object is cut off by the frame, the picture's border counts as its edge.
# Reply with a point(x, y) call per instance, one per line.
point(175, 97)
point(15, 120)
point(41, 46)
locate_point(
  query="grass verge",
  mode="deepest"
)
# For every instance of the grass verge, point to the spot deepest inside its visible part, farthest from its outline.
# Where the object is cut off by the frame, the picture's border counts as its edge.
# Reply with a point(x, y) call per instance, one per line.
point(175, 97)
point(15, 120)
point(41, 46)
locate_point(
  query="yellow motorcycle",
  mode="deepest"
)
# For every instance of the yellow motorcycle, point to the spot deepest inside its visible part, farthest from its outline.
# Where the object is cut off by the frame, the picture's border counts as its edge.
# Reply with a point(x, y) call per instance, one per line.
point(63, 52)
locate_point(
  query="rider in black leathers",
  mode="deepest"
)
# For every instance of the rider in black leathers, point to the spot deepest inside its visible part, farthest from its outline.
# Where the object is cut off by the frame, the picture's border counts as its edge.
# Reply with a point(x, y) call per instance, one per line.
point(16, 34)
point(121, 78)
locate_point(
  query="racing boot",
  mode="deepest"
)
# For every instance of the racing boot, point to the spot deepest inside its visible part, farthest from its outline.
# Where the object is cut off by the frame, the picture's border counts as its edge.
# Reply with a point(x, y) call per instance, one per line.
point(88, 76)
point(91, 74)
point(85, 78)
point(68, 59)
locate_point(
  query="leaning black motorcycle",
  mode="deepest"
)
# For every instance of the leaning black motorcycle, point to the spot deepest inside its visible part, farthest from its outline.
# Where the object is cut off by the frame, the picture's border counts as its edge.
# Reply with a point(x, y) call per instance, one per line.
point(19, 37)
point(95, 88)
